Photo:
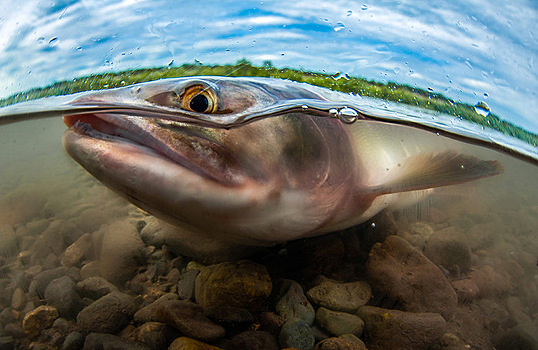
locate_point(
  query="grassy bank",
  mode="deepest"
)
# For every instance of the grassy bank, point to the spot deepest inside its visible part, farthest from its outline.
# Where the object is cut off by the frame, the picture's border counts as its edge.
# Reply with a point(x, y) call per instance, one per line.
point(391, 91)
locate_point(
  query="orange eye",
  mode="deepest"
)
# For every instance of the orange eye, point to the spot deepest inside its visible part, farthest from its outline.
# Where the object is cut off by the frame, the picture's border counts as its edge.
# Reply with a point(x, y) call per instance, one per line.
point(200, 99)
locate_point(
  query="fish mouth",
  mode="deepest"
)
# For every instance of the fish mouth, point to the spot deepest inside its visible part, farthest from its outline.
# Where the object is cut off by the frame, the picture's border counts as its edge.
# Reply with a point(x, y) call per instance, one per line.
point(192, 150)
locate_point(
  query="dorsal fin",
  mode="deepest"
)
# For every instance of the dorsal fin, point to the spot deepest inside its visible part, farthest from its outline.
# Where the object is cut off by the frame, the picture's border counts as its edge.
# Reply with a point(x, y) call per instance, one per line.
point(428, 170)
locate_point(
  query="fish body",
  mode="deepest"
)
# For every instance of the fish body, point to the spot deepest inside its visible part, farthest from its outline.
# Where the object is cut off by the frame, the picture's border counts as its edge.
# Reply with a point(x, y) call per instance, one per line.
point(256, 161)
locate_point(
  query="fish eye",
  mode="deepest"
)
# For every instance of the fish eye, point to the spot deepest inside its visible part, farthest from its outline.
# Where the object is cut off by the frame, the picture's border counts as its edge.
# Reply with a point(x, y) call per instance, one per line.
point(199, 98)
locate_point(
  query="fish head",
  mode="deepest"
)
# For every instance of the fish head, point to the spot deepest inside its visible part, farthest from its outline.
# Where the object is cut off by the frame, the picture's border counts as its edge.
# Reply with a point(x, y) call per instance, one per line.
point(271, 179)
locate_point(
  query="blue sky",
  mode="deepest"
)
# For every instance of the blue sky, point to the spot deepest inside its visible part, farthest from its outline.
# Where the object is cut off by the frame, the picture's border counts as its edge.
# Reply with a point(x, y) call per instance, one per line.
point(471, 51)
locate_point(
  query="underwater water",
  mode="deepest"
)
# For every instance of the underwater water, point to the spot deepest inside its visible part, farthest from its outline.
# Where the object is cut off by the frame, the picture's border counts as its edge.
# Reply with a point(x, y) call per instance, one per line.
point(81, 267)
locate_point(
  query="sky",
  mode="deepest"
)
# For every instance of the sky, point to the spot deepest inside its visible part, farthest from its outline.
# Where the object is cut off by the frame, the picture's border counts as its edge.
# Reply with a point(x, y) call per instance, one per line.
point(468, 50)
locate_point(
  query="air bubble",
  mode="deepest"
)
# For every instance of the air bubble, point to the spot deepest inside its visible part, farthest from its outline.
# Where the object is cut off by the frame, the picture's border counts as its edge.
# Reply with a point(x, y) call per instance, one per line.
point(364, 7)
point(482, 109)
point(304, 107)
point(53, 41)
point(347, 115)
point(339, 76)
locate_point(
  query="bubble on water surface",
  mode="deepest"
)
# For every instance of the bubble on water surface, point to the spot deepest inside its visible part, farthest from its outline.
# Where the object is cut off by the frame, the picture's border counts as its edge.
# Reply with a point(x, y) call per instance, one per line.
point(339, 26)
point(347, 115)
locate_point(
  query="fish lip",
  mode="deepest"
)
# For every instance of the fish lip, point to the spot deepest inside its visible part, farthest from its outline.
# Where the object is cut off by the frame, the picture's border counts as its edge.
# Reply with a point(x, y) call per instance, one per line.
point(123, 133)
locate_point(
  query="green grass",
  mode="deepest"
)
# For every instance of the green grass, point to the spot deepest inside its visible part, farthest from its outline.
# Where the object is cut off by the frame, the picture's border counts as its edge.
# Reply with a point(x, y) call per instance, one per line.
point(391, 91)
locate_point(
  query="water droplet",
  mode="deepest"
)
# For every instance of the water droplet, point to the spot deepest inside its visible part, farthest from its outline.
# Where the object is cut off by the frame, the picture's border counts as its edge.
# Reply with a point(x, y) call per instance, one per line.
point(333, 113)
point(482, 108)
point(40, 40)
point(339, 26)
point(53, 41)
point(430, 89)
point(364, 7)
point(349, 13)
point(304, 107)
point(486, 95)
point(170, 63)
point(347, 115)
point(373, 224)
point(339, 76)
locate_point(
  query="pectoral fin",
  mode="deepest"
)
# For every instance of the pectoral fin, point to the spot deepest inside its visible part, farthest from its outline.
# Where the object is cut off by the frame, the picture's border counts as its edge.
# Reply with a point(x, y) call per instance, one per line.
point(428, 170)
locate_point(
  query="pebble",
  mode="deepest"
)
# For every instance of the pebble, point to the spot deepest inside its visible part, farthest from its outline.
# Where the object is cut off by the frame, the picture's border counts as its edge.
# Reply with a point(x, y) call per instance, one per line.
point(190, 320)
point(18, 300)
point(448, 248)
point(339, 323)
point(185, 286)
point(489, 282)
point(149, 313)
point(296, 334)
point(8, 238)
point(109, 341)
point(185, 343)
point(61, 294)
point(466, 290)
point(271, 322)
point(521, 337)
point(39, 319)
point(54, 239)
point(7, 343)
point(73, 341)
point(239, 283)
point(339, 296)
point(294, 304)
point(156, 335)
point(42, 279)
point(122, 251)
point(393, 329)
point(95, 287)
point(15, 330)
point(341, 343)
point(152, 233)
point(108, 314)
point(404, 276)
point(91, 269)
point(232, 318)
point(254, 340)
point(80, 250)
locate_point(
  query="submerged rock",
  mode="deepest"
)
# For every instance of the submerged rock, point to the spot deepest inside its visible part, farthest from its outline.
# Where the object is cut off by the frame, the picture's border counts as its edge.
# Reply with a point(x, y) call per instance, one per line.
point(254, 340)
point(109, 341)
point(296, 334)
point(79, 251)
point(95, 287)
point(61, 293)
point(185, 343)
point(339, 323)
point(405, 277)
point(340, 296)
point(39, 319)
point(240, 283)
point(346, 342)
point(391, 329)
point(108, 314)
point(294, 304)
point(448, 248)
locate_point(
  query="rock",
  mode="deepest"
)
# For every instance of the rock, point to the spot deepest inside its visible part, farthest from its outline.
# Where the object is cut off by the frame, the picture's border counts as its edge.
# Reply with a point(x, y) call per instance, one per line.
point(73, 341)
point(51, 262)
point(19, 279)
point(7, 343)
point(185, 286)
point(61, 294)
point(9, 246)
point(294, 304)
point(109, 341)
point(122, 251)
point(152, 234)
point(230, 317)
point(202, 248)
point(521, 337)
point(185, 343)
point(448, 248)
point(90, 220)
point(489, 282)
point(341, 343)
point(173, 276)
point(156, 335)
point(39, 319)
point(18, 300)
point(149, 313)
point(296, 334)
point(254, 340)
point(190, 320)
point(108, 314)
point(339, 296)
point(15, 330)
point(271, 323)
point(95, 287)
point(55, 239)
point(91, 269)
point(339, 323)
point(404, 276)
point(79, 251)
point(466, 290)
point(42, 279)
point(392, 329)
point(240, 283)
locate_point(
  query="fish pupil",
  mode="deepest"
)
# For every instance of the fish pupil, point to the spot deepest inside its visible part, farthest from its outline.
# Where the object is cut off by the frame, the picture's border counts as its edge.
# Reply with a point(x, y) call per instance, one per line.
point(199, 103)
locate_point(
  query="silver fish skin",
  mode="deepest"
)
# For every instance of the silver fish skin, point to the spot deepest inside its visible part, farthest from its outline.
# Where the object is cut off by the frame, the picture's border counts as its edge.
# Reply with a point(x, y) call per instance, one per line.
point(274, 179)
